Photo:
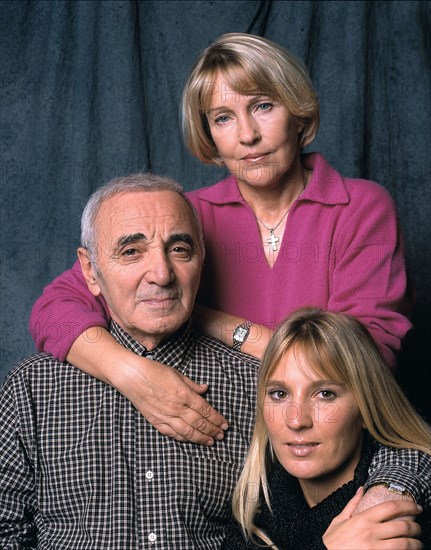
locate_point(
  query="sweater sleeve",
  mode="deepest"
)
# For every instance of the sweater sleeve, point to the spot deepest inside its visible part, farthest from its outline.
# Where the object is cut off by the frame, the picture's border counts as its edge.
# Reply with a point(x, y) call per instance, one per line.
point(369, 277)
point(64, 311)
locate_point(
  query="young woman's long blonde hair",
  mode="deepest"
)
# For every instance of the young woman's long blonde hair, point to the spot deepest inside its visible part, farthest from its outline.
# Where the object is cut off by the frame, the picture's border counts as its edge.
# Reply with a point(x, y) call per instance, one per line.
point(340, 348)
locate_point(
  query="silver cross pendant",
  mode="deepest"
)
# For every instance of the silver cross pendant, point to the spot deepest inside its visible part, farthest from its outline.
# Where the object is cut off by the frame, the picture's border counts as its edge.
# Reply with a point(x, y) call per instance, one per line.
point(273, 240)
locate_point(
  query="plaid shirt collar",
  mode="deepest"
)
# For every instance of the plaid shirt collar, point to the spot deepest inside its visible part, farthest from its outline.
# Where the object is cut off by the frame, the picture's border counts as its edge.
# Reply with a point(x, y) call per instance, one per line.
point(175, 352)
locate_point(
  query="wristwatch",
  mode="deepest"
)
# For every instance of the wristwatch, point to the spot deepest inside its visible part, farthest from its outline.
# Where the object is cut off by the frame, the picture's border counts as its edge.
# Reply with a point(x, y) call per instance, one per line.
point(240, 335)
point(393, 487)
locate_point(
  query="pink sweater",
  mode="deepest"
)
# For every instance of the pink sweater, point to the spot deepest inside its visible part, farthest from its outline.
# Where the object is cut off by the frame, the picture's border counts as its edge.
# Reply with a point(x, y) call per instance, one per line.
point(341, 251)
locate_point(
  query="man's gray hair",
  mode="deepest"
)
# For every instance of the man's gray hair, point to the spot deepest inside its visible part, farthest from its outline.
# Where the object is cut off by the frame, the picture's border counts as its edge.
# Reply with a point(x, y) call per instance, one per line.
point(140, 182)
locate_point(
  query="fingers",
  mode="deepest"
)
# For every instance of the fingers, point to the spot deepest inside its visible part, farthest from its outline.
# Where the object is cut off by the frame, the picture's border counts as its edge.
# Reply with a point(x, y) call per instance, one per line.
point(190, 426)
point(393, 509)
point(399, 544)
point(204, 417)
point(401, 528)
point(176, 410)
point(198, 388)
point(374, 529)
point(181, 431)
point(404, 544)
point(172, 403)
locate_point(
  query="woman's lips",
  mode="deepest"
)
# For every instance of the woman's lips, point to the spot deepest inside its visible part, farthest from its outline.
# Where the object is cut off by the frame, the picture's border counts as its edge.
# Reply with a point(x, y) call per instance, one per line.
point(302, 449)
point(255, 158)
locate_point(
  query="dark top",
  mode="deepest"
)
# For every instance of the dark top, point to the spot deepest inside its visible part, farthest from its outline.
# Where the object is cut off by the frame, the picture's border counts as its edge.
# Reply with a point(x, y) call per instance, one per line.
point(293, 525)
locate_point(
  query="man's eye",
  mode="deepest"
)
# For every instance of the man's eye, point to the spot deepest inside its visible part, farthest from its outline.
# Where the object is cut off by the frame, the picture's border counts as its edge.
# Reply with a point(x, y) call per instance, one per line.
point(129, 252)
point(181, 251)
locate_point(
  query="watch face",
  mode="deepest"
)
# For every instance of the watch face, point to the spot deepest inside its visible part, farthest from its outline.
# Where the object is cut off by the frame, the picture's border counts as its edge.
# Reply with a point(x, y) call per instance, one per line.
point(241, 333)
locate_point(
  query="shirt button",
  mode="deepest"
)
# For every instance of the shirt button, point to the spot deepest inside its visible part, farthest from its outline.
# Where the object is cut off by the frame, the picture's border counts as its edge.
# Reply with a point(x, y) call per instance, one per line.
point(152, 537)
point(149, 475)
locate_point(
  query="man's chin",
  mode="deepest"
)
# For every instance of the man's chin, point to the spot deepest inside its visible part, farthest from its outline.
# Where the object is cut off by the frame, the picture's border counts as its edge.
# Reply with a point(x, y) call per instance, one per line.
point(157, 330)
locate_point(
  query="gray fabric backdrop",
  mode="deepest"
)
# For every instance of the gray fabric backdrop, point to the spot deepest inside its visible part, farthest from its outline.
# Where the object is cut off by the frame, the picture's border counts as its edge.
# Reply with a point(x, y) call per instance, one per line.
point(90, 90)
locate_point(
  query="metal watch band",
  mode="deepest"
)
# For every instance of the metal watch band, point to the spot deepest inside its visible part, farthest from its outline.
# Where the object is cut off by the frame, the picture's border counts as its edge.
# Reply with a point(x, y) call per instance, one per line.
point(393, 487)
point(397, 488)
point(237, 342)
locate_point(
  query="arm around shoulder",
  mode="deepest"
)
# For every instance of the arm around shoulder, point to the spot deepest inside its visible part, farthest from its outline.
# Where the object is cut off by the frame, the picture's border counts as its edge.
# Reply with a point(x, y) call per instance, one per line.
point(221, 326)
point(70, 322)
point(408, 470)
point(175, 408)
point(65, 310)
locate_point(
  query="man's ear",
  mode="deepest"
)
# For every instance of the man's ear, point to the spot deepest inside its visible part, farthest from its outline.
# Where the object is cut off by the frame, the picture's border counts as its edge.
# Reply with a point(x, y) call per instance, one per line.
point(88, 271)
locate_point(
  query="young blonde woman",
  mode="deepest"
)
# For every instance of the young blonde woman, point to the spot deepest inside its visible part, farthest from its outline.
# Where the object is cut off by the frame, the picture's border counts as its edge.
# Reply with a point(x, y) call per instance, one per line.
point(326, 404)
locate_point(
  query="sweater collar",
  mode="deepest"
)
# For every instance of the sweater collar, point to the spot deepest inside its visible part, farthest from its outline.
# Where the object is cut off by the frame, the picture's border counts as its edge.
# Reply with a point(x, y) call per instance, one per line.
point(326, 186)
point(292, 523)
point(280, 479)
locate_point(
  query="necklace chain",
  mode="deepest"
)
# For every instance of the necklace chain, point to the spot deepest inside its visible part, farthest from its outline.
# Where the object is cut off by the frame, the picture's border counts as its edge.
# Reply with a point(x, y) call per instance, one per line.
point(272, 229)
point(273, 239)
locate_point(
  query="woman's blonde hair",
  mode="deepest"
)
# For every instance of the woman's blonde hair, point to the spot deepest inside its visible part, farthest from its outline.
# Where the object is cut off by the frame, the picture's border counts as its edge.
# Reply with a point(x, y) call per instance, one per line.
point(251, 65)
point(340, 348)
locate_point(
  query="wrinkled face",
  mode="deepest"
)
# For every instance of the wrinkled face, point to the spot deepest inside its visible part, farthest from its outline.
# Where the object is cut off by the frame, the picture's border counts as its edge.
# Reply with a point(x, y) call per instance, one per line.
point(314, 425)
point(255, 135)
point(149, 263)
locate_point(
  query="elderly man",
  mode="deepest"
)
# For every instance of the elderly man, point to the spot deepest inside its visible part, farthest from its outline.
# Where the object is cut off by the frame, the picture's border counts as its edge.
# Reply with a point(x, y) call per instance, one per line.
point(80, 468)
point(79, 464)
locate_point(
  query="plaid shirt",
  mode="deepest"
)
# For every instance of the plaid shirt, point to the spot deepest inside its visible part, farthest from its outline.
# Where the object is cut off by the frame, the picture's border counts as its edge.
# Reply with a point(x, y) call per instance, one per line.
point(407, 469)
point(80, 468)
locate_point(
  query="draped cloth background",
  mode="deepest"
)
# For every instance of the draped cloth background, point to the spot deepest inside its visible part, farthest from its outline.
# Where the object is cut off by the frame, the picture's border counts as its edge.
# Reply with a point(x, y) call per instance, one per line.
point(91, 90)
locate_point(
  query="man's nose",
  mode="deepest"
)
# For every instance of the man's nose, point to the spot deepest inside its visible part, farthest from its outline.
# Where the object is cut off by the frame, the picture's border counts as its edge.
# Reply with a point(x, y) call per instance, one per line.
point(159, 268)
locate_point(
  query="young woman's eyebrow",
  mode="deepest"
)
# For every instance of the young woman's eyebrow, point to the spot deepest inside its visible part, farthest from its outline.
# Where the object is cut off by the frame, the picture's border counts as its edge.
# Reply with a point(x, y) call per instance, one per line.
point(314, 384)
